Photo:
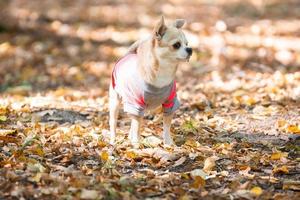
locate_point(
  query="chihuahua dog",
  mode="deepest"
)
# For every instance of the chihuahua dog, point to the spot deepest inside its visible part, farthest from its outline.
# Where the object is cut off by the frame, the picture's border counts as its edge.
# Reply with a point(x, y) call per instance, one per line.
point(144, 79)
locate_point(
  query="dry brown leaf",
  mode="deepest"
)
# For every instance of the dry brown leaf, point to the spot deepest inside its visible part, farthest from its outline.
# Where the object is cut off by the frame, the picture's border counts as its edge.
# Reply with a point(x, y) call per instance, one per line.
point(245, 172)
point(5, 132)
point(210, 163)
point(8, 139)
point(180, 161)
point(151, 141)
point(198, 182)
point(291, 185)
point(89, 194)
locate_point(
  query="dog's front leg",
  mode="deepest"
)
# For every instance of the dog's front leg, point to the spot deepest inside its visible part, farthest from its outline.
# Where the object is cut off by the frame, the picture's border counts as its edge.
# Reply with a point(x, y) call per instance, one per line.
point(167, 138)
point(135, 130)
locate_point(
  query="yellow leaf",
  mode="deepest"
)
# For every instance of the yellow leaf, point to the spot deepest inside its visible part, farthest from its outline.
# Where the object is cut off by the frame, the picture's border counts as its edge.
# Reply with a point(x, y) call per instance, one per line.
point(185, 176)
point(278, 155)
point(282, 169)
point(3, 118)
point(237, 99)
point(101, 144)
point(257, 191)
point(250, 101)
point(130, 154)
point(104, 155)
point(3, 110)
point(293, 129)
point(191, 143)
point(281, 123)
point(39, 151)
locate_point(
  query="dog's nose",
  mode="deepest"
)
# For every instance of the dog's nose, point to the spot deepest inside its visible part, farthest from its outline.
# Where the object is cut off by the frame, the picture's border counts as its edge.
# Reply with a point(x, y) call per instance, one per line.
point(189, 50)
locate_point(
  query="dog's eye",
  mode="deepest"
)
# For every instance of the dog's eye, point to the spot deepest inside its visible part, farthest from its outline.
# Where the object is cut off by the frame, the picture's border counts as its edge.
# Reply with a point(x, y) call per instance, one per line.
point(177, 45)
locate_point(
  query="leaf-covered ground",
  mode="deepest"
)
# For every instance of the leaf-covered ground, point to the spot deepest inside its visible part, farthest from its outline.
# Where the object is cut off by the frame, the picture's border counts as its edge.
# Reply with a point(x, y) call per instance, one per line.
point(237, 130)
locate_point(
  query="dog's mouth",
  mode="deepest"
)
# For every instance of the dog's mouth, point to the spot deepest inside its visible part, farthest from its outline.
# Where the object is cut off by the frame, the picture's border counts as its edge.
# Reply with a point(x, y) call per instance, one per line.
point(186, 59)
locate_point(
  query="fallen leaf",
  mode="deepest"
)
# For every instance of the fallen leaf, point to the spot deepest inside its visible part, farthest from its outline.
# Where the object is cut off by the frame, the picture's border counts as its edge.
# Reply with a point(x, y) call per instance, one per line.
point(89, 194)
point(293, 129)
point(5, 132)
point(257, 191)
point(224, 173)
point(36, 167)
point(210, 163)
point(250, 101)
point(180, 161)
point(245, 172)
point(8, 139)
point(164, 156)
point(278, 155)
point(131, 155)
point(3, 118)
point(198, 182)
point(185, 197)
point(281, 123)
point(199, 172)
point(271, 179)
point(37, 177)
point(38, 151)
point(3, 110)
point(104, 156)
point(151, 141)
point(282, 169)
point(291, 185)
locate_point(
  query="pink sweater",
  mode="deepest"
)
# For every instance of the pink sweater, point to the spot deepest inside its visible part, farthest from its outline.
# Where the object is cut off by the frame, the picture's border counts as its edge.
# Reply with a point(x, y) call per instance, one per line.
point(138, 95)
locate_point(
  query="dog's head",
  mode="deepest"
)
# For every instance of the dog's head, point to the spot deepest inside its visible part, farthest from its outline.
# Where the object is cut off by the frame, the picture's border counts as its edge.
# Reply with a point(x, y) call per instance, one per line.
point(170, 41)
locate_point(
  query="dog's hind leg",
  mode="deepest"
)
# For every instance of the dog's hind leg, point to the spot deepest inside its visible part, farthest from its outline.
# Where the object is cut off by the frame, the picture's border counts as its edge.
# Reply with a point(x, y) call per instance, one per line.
point(114, 106)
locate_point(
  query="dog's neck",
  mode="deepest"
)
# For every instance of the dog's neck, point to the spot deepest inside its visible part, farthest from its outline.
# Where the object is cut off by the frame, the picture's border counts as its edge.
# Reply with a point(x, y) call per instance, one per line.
point(165, 73)
point(155, 70)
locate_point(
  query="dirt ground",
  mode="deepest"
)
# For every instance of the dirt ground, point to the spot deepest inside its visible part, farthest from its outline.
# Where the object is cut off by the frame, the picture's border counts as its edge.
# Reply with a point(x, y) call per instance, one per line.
point(236, 132)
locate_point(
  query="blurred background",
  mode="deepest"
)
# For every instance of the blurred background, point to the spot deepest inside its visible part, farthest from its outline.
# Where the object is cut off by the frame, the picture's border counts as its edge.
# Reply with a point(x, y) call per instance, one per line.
point(47, 45)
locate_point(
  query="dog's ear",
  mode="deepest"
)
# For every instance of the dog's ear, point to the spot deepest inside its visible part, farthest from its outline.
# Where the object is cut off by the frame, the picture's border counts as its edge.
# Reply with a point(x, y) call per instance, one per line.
point(160, 29)
point(179, 23)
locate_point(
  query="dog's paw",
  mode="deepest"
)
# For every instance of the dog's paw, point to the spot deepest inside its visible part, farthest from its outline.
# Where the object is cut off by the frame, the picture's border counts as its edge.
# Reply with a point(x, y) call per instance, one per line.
point(112, 141)
point(168, 141)
point(135, 145)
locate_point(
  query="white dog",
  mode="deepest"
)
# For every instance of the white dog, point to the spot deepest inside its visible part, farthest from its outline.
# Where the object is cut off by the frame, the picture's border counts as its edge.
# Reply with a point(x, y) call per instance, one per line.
point(144, 79)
